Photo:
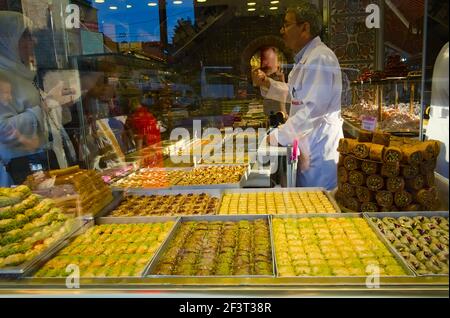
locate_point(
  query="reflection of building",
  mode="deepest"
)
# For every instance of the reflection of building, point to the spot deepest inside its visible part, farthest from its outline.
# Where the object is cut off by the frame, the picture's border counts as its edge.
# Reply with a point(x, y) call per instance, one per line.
point(55, 42)
point(87, 39)
point(227, 35)
point(150, 49)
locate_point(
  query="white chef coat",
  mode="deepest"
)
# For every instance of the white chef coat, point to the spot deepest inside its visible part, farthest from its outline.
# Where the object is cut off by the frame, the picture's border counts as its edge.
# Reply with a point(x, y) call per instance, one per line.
point(314, 91)
point(438, 124)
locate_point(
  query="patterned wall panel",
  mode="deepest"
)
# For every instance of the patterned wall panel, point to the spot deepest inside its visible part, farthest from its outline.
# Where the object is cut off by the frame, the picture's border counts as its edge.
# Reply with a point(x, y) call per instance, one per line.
point(354, 44)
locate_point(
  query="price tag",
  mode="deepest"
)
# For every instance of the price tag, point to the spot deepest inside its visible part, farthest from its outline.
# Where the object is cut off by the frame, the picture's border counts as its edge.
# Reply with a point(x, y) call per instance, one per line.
point(369, 123)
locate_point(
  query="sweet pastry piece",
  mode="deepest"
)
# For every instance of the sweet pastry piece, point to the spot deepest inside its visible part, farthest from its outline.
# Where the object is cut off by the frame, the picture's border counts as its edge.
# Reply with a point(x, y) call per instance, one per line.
point(416, 183)
point(421, 241)
point(342, 175)
point(430, 179)
point(375, 183)
point(65, 171)
point(412, 155)
point(428, 166)
point(364, 194)
point(357, 178)
point(395, 184)
point(412, 207)
point(369, 207)
point(340, 197)
point(300, 202)
point(381, 138)
point(348, 189)
point(428, 198)
point(343, 247)
point(369, 167)
point(341, 160)
point(430, 149)
point(361, 150)
point(392, 155)
point(211, 175)
point(390, 170)
point(110, 250)
point(351, 163)
point(376, 152)
point(385, 198)
point(391, 208)
point(403, 199)
point(346, 145)
point(365, 136)
point(410, 171)
point(353, 204)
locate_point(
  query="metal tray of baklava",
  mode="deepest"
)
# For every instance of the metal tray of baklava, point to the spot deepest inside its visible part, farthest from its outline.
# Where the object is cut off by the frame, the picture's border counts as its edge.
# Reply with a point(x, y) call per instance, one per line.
point(398, 258)
point(282, 190)
point(236, 185)
point(120, 195)
point(249, 144)
point(25, 268)
point(118, 187)
point(397, 215)
point(82, 230)
point(210, 218)
point(217, 160)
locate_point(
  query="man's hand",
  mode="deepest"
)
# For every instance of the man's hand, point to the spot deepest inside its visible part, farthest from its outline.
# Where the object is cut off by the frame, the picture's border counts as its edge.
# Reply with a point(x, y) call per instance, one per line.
point(28, 143)
point(260, 79)
point(63, 96)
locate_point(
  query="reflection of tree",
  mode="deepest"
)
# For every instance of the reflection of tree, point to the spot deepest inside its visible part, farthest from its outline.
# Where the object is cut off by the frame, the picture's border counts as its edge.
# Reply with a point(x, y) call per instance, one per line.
point(184, 30)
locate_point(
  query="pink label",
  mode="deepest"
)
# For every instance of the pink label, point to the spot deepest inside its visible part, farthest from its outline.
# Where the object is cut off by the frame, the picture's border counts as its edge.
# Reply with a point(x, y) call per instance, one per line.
point(369, 123)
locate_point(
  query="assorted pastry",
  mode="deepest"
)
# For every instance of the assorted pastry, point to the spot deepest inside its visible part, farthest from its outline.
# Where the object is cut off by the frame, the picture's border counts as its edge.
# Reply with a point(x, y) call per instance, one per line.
point(276, 203)
point(29, 225)
point(77, 191)
point(219, 248)
point(422, 241)
point(110, 250)
point(330, 247)
point(167, 205)
point(151, 178)
point(213, 175)
point(377, 174)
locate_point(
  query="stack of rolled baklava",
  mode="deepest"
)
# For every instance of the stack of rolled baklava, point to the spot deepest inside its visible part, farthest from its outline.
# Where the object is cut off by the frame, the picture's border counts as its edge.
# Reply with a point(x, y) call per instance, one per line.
point(376, 174)
point(80, 191)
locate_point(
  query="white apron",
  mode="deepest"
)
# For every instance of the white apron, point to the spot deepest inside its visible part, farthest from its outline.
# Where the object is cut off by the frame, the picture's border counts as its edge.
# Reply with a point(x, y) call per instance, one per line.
point(314, 91)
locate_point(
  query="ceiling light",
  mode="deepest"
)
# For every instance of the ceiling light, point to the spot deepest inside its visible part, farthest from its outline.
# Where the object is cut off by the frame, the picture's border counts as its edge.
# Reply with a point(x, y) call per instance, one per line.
point(129, 6)
point(152, 4)
point(99, 1)
point(251, 9)
point(113, 7)
point(273, 8)
point(274, 2)
point(178, 2)
point(251, 4)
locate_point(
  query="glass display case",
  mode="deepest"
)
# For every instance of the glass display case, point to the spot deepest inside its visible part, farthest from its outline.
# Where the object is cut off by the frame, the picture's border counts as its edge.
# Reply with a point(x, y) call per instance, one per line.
point(200, 145)
point(391, 105)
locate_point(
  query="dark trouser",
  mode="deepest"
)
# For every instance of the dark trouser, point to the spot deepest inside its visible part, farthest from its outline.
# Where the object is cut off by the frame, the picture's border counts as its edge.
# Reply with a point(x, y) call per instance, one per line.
point(20, 168)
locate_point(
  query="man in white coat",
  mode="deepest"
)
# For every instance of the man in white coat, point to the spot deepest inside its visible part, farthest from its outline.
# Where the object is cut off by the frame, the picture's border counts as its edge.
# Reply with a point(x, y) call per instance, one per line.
point(438, 125)
point(314, 91)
